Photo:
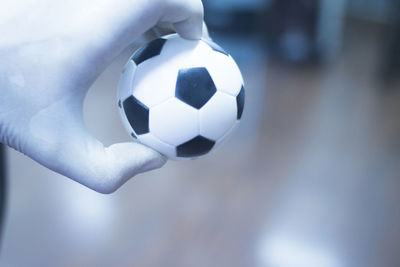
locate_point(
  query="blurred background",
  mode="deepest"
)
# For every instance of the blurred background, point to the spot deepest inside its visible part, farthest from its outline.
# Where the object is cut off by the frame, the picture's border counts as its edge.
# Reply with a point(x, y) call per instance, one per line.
point(311, 178)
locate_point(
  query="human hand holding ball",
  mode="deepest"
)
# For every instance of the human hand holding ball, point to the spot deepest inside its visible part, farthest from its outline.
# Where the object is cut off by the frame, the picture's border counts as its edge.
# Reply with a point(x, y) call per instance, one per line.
point(181, 97)
point(50, 56)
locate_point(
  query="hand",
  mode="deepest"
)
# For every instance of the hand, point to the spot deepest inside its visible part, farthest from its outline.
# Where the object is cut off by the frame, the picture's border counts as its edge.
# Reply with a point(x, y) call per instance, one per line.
point(50, 54)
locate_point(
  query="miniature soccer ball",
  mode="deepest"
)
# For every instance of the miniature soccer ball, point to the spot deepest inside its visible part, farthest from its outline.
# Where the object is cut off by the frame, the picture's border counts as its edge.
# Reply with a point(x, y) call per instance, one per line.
point(180, 97)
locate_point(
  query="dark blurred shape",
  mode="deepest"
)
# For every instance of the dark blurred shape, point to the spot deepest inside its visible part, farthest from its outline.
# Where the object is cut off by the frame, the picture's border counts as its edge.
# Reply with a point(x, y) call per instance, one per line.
point(290, 28)
point(391, 67)
point(2, 190)
point(232, 22)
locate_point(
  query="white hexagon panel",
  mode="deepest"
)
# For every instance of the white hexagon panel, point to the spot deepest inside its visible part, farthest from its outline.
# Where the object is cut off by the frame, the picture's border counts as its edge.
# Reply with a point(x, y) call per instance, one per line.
point(171, 117)
point(215, 121)
point(181, 97)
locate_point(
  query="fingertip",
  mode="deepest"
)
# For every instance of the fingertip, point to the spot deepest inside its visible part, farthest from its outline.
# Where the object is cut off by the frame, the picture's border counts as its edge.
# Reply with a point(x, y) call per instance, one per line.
point(118, 164)
point(133, 158)
point(191, 29)
point(155, 161)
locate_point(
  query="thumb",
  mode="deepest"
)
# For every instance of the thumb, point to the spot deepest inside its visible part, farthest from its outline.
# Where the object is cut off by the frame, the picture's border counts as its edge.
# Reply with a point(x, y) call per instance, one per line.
point(129, 159)
point(73, 152)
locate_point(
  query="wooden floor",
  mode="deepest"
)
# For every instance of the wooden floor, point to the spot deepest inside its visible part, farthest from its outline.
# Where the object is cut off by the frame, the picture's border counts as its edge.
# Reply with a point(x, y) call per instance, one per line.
point(311, 178)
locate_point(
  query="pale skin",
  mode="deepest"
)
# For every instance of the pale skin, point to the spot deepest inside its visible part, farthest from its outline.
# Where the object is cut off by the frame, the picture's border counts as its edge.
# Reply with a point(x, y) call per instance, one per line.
point(50, 54)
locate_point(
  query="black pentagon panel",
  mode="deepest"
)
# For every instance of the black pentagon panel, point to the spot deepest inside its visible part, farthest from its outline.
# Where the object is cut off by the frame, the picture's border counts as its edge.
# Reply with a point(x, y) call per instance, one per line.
point(137, 114)
point(240, 103)
point(194, 87)
point(215, 47)
point(148, 51)
point(196, 147)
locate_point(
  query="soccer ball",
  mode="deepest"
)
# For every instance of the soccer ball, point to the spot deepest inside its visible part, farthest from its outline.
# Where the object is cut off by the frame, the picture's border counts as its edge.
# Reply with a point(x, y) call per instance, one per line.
point(180, 97)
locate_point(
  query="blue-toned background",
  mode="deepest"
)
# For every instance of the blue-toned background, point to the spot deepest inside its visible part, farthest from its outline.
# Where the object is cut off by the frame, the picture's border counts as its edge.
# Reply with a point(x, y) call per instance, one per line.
point(311, 178)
